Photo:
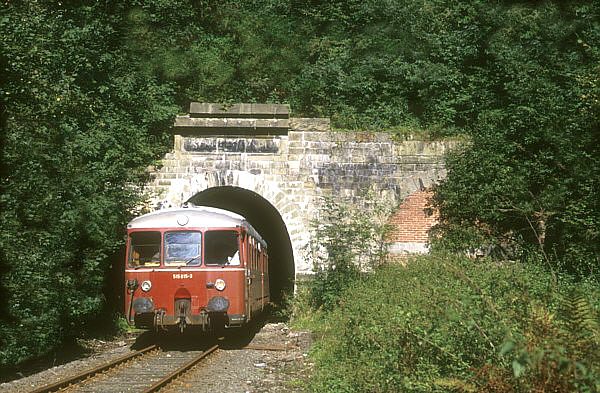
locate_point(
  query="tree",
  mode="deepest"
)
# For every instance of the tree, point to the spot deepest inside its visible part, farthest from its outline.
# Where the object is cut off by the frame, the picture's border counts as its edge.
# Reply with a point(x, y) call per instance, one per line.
point(526, 178)
point(80, 126)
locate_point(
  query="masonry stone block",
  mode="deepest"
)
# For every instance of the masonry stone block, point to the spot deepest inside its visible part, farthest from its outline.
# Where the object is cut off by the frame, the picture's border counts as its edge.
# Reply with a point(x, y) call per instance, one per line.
point(310, 124)
point(295, 136)
point(302, 161)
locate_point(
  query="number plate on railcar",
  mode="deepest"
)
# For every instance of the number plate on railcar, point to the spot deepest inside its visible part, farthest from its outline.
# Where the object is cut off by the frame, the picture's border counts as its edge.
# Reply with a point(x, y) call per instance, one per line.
point(179, 276)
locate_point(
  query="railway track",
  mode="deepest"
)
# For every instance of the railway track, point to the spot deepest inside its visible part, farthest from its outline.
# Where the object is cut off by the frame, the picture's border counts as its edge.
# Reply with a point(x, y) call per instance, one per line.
point(147, 370)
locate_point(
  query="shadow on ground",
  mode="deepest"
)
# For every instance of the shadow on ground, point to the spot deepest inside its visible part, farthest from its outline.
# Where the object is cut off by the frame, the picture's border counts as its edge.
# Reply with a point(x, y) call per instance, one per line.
point(196, 340)
point(68, 352)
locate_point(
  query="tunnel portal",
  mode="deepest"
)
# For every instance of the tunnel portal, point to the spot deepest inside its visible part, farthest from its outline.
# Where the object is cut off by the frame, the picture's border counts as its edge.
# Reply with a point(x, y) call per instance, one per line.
point(256, 160)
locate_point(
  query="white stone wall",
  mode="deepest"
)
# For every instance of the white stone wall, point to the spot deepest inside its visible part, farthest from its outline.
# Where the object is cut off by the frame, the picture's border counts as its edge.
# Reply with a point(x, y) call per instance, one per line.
point(293, 171)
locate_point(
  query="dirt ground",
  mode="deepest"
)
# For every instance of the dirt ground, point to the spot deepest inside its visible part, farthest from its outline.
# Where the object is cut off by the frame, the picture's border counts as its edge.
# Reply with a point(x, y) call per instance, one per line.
point(272, 358)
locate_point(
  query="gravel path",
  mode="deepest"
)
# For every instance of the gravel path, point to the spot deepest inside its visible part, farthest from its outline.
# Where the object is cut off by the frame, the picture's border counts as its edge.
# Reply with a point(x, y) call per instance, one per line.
point(234, 368)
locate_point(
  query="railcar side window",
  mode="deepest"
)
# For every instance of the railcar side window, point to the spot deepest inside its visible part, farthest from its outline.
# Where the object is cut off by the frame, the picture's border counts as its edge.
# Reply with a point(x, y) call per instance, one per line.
point(144, 249)
point(221, 248)
point(183, 248)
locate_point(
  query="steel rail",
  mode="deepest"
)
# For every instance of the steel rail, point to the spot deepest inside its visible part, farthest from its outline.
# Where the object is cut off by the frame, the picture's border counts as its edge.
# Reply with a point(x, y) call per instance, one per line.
point(166, 380)
point(89, 373)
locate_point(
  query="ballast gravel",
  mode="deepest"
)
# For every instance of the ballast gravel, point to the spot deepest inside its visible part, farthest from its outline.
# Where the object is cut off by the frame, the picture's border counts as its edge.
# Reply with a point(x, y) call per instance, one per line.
point(274, 360)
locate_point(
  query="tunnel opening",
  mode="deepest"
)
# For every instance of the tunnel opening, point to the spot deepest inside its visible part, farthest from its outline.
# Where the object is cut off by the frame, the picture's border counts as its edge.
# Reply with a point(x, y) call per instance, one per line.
point(265, 218)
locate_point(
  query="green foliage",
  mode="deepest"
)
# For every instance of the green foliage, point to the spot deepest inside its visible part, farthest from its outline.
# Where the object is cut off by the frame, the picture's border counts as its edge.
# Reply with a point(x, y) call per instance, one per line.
point(526, 181)
point(79, 128)
point(518, 79)
point(122, 326)
point(381, 64)
point(88, 93)
point(445, 323)
point(226, 51)
point(556, 351)
point(347, 242)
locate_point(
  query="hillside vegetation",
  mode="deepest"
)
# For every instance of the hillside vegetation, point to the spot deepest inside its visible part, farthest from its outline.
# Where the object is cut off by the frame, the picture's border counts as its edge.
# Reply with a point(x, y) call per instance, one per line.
point(443, 322)
point(446, 324)
point(89, 90)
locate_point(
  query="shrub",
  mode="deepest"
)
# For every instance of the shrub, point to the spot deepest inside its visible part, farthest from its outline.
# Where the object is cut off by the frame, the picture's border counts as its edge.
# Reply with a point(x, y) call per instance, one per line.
point(79, 125)
point(348, 241)
point(447, 324)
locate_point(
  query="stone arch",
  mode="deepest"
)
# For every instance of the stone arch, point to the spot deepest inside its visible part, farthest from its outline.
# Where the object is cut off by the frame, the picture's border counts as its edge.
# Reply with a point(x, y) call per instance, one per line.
point(249, 194)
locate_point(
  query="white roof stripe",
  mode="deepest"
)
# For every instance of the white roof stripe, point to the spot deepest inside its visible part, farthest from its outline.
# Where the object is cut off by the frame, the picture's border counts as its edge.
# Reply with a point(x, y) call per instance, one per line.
point(193, 217)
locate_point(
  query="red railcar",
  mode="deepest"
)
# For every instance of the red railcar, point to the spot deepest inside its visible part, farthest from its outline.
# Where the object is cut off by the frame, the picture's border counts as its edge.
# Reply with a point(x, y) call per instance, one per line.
point(194, 266)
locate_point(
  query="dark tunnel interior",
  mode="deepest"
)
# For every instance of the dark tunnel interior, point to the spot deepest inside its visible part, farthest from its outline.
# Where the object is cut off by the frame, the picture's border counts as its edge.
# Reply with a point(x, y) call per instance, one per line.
point(265, 218)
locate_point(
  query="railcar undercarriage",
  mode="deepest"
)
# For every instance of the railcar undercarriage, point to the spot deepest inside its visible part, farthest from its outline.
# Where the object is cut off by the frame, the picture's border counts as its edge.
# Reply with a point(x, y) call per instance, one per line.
point(206, 321)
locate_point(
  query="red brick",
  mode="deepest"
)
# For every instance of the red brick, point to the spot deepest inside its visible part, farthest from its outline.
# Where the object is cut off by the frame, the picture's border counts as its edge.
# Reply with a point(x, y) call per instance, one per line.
point(410, 222)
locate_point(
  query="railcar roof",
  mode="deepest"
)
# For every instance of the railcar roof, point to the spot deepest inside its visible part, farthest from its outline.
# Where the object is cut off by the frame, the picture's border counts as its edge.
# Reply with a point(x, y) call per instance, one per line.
point(193, 217)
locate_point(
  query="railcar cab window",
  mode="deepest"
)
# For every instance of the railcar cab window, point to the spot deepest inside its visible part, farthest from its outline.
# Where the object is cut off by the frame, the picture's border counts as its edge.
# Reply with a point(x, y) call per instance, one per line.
point(183, 248)
point(144, 249)
point(221, 248)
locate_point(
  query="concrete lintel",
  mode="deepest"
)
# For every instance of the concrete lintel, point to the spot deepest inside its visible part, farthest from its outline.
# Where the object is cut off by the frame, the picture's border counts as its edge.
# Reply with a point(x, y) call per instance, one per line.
point(261, 111)
point(408, 248)
point(185, 125)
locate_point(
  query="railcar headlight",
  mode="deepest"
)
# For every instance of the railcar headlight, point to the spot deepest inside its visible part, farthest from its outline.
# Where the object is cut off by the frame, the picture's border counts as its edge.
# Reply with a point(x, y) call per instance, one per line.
point(220, 284)
point(146, 285)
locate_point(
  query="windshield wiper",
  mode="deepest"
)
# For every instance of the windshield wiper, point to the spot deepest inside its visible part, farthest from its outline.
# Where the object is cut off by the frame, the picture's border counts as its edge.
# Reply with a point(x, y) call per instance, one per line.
point(192, 259)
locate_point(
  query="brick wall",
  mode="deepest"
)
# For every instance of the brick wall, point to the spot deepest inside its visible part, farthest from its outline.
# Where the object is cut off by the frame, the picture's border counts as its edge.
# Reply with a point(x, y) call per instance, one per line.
point(410, 224)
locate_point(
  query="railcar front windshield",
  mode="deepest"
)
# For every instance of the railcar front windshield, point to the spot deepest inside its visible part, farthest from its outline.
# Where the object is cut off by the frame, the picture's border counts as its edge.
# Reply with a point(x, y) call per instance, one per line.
point(183, 248)
point(144, 249)
point(221, 248)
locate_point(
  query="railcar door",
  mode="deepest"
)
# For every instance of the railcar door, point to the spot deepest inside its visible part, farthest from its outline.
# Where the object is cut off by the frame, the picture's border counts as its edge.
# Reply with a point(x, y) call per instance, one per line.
point(264, 275)
point(254, 282)
point(257, 279)
point(248, 284)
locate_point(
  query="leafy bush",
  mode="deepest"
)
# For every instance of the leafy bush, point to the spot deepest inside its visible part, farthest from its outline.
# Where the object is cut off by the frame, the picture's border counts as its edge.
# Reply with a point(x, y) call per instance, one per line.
point(447, 324)
point(348, 241)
